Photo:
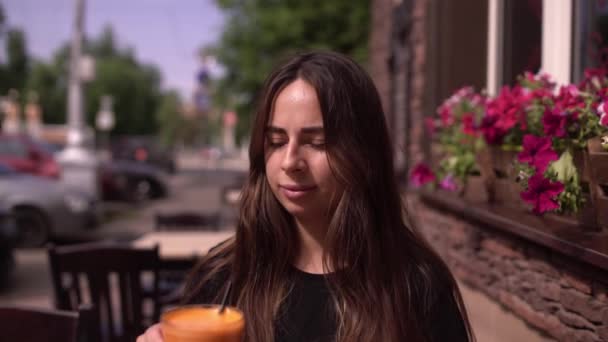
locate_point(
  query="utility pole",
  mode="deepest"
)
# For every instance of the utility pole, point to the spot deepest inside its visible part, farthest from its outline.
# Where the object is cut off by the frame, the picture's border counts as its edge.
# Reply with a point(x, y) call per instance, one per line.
point(75, 122)
point(78, 160)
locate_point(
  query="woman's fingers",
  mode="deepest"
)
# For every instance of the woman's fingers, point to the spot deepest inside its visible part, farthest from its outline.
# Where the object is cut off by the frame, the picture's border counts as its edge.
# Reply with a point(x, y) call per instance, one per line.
point(153, 334)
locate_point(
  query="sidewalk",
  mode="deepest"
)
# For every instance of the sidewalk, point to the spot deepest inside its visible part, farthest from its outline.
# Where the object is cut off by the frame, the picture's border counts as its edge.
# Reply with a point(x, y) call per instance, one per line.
point(492, 323)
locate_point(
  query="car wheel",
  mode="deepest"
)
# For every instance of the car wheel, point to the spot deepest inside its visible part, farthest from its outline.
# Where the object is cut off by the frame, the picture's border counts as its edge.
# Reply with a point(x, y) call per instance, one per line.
point(32, 227)
point(142, 190)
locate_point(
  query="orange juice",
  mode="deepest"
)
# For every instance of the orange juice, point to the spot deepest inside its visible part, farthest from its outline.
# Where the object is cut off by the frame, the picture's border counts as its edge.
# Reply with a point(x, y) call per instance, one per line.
point(203, 323)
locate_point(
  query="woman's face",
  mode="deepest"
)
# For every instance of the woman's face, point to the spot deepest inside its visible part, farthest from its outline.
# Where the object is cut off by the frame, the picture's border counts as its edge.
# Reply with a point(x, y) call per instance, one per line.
point(297, 167)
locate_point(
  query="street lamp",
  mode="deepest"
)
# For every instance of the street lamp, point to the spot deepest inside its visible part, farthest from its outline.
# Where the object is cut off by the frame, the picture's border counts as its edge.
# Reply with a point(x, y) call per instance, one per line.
point(105, 123)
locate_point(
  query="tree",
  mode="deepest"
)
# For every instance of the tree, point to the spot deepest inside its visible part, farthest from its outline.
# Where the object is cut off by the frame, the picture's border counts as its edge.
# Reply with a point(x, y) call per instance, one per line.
point(169, 118)
point(259, 33)
point(135, 87)
point(15, 71)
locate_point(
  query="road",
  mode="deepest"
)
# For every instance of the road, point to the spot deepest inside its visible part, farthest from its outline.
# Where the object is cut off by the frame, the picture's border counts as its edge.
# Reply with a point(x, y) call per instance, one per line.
point(192, 189)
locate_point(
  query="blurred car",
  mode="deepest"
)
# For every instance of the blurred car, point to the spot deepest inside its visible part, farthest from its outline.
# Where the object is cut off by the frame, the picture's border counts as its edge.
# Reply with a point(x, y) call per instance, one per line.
point(8, 237)
point(27, 155)
point(144, 150)
point(125, 180)
point(44, 209)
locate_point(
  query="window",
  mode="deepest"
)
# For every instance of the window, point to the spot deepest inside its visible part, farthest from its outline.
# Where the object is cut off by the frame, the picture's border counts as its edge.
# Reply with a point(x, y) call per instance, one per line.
point(590, 37)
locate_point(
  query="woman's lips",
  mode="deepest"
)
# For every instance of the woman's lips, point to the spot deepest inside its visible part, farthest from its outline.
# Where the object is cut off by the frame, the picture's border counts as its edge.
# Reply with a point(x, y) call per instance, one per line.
point(295, 191)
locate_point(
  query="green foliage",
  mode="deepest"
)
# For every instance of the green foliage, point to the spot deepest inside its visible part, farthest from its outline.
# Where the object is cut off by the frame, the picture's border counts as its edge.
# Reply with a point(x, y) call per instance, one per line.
point(260, 33)
point(564, 171)
point(14, 72)
point(134, 87)
point(169, 119)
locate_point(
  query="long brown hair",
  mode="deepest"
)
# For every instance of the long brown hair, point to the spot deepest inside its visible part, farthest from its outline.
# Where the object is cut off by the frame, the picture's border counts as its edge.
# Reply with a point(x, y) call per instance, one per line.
point(387, 277)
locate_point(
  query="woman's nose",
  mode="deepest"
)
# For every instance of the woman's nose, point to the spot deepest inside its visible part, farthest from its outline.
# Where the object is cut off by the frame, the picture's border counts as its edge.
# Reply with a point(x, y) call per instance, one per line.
point(292, 159)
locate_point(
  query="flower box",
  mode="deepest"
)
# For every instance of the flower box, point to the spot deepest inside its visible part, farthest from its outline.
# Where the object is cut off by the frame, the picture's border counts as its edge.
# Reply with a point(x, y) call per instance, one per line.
point(532, 147)
point(598, 184)
point(498, 173)
point(475, 190)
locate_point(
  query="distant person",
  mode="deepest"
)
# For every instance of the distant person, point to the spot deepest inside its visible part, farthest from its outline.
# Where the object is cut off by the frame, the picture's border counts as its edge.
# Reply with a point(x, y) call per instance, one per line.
point(321, 251)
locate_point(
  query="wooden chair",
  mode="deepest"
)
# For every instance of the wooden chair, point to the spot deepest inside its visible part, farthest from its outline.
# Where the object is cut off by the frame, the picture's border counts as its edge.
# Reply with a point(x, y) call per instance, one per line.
point(117, 279)
point(26, 324)
point(185, 221)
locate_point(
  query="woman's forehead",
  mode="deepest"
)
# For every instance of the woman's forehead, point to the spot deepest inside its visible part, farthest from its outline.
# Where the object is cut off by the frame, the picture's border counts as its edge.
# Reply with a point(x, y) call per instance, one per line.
point(296, 104)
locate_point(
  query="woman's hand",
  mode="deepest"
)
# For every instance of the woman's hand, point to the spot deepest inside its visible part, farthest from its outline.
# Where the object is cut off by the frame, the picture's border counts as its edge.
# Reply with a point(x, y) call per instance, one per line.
point(153, 334)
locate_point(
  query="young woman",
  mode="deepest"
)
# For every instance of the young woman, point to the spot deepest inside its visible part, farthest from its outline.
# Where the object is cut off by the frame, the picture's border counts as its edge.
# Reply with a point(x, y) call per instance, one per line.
point(321, 250)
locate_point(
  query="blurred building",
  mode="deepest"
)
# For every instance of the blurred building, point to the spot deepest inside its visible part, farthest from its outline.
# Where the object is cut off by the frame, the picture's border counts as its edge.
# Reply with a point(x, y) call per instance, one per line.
point(421, 51)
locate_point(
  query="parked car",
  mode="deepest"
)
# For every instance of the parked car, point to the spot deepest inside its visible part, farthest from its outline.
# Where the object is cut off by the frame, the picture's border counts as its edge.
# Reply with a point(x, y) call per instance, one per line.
point(144, 150)
point(8, 237)
point(44, 209)
point(27, 155)
point(126, 180)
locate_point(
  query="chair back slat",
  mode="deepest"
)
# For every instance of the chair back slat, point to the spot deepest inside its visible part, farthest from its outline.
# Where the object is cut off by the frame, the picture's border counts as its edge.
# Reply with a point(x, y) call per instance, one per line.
point(113, 284)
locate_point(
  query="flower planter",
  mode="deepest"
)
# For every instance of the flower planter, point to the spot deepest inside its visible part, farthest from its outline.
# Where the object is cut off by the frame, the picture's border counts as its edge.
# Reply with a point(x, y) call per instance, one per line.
point(585, 217)
point(475, 190)
point(498, 172)
point(598, 184)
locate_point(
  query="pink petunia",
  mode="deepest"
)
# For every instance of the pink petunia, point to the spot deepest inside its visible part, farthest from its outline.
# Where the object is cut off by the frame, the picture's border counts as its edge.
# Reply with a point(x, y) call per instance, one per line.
point(505, 112)
point(555, 123)
point(537, 152)
point(569, 98)
point(468, 124)
point(446, 115)
point(421, 174)
point(448, 183)
point(603, 114)
point(541, 193)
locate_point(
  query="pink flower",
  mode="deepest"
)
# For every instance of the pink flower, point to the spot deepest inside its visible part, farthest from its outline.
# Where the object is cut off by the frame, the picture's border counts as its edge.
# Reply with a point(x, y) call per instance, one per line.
point(541, 193)
point(537, 152)
point(504, 112)
point(569, 98)
point(446, 115)
point(421, 174)
point(448, 183)
point(555, 123)
point(468, 124)
point(603, 114)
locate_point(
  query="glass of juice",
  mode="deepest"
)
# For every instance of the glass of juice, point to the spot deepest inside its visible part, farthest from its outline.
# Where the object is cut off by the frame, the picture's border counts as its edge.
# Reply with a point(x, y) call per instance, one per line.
point(203, 323)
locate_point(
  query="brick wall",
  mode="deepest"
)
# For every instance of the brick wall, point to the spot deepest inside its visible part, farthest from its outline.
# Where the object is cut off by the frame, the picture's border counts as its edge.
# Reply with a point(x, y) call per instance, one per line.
point(418, 40)
point(561, 297)
point(379, 48)
point(557, 295)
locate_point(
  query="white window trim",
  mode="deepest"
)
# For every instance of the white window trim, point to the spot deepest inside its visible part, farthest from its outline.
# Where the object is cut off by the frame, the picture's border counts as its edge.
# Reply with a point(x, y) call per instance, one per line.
point(557, 24)
point(557, 40)
point(494, 75)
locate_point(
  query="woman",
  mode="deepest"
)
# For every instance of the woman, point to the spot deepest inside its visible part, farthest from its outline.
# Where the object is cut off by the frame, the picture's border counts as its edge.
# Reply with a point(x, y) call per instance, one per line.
point(321, 251)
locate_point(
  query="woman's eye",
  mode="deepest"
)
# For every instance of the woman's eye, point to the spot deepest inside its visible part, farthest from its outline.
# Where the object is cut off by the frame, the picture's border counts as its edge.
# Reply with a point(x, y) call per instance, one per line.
point(318, 144)
point(275, 143)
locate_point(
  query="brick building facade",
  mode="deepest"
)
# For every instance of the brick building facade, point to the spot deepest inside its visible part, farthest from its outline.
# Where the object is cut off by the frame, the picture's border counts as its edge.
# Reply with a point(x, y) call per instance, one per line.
point(546, 283)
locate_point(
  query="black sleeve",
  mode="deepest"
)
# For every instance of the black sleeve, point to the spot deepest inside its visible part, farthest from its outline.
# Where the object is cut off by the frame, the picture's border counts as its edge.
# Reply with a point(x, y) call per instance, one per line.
point(446, 321)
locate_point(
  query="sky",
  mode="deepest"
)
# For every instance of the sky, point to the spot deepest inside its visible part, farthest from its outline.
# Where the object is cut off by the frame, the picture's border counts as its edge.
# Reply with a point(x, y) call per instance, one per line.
point(167, 33)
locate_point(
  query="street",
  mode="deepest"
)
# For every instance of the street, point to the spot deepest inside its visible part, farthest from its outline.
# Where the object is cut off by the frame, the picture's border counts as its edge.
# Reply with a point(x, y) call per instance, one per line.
point(193, 188)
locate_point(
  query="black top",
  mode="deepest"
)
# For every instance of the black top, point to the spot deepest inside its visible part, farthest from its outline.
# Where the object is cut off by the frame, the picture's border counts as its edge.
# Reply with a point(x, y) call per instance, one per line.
point(308, 313)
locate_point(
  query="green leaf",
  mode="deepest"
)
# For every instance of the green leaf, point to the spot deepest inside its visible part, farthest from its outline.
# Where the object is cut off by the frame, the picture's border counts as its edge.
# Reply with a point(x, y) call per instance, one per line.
point(565, 169)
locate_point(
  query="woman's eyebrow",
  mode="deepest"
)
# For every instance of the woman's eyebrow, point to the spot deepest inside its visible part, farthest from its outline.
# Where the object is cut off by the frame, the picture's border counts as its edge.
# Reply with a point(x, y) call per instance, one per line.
point(304, 130)
point(274, 129)
point(312, 130)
